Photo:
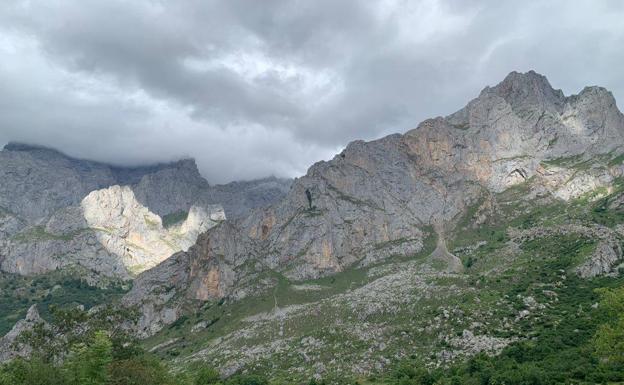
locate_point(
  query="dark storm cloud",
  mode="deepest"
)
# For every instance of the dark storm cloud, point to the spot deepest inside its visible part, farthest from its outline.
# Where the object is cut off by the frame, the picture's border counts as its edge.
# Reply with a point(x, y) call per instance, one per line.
point(252, 88)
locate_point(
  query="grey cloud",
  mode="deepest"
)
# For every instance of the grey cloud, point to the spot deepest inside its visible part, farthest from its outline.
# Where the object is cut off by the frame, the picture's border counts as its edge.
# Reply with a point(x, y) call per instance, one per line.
point(252, 88)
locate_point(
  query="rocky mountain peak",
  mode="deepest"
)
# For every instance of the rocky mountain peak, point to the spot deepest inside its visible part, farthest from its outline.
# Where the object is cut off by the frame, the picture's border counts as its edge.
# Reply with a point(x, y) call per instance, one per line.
point(49, 180)
point(528, 90)
point(124, 175)
point(598, 96)
point(37, 152)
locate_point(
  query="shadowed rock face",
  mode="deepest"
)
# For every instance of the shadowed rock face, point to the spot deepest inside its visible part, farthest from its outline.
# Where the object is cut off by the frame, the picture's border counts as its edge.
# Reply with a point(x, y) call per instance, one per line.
point(37, 181)
point(375, 199)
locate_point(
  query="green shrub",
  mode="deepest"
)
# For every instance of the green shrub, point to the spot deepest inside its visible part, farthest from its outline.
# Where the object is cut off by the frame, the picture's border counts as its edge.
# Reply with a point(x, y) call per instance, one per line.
point(206, 375)
point(174, 218)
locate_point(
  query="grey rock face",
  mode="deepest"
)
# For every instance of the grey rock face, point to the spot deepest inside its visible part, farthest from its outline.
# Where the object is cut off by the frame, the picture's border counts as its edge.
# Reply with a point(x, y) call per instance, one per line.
point(37, 181)
point(110, 234)
point(240, 198)
point(41, 255)
point(60, 212)
point(601, 262)
point(604, 258)
point(9, 224)
point(171, 189)
point(63, 240)
point(374, 199)
point(160, 294)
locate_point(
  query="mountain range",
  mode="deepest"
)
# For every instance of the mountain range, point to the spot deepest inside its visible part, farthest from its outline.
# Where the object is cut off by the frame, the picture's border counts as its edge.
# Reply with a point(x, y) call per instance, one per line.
point(455, 238)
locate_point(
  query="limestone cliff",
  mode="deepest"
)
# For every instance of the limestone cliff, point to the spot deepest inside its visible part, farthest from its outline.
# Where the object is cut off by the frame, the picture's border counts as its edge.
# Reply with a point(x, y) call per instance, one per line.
point(58, 212)
point(131, 231)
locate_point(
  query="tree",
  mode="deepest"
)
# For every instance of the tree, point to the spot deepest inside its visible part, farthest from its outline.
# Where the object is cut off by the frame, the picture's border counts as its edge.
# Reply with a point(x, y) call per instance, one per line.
point(31, 372)
point(609, 339)
point(143, 370)
point(88, 364)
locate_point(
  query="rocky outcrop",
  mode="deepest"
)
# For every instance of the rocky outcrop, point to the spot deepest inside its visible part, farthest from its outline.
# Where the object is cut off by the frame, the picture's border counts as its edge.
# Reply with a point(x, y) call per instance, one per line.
point(10, 345)
point(171, 189)
point(374, 199)
point(502, 137)
point(470, 344)
point(602, 261)
point(160, 295)
point(131, 231)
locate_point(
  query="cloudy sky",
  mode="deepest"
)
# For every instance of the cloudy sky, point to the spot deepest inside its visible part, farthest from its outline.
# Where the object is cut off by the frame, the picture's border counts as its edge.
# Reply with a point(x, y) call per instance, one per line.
point(254, 88)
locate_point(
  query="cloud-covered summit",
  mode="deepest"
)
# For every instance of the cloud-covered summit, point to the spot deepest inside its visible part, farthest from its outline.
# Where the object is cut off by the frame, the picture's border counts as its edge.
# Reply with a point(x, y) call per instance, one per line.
point(257, 88)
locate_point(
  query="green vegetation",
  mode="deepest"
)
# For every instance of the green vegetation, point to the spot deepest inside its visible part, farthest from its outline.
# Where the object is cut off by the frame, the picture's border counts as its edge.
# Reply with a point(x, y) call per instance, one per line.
point(552, 142)
point(607, 211)
point(617, 160)
point(174, 218)
point(97, 350)
point(38, 233)
point(555, 344)
point(461, 126)
point(568, 347)
point(153, 224)
point(18, 293)
point(565, 161)
point(225, 317)
point(610, 336)
point(102, 360)
point(575, 343)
